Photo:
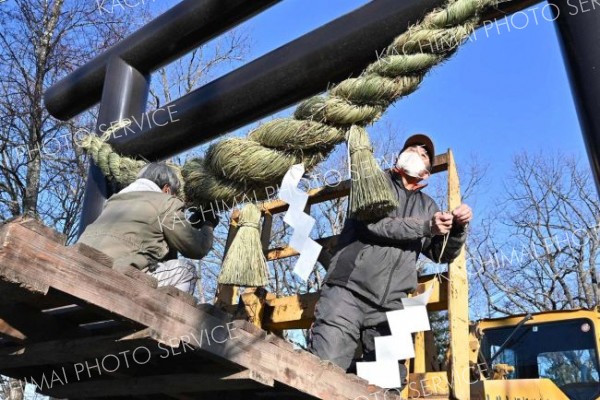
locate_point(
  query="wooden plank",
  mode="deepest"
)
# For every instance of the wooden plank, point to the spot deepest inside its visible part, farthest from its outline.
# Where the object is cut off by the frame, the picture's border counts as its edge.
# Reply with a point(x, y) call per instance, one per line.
point(73, 273)
point(252, 375)
point(62, 351)
point(252, 309)
point(14, 293)
point(215, 311)
point(249, 327)
point(88, 314)
point(137, 274)
point(38, 226)
point(279, 342)
point(178, 294)
point(180, 383)
point(458, 302)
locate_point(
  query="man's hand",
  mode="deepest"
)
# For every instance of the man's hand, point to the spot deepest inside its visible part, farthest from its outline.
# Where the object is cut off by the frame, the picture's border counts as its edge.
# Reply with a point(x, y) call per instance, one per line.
point(462, 214)
point(441, 223)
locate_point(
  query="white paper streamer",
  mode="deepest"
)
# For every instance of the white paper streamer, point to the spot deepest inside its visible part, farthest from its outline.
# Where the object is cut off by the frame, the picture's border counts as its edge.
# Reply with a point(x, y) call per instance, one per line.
point(384, 372)
point(301, 222)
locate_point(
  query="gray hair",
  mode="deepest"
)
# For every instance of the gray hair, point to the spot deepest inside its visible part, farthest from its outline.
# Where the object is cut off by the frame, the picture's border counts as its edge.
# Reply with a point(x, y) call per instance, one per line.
point(161, 174)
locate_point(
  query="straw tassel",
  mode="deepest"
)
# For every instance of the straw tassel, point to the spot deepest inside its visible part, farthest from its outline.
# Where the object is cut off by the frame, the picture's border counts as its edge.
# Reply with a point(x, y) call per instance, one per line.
point(245, 263)
point(370, 193)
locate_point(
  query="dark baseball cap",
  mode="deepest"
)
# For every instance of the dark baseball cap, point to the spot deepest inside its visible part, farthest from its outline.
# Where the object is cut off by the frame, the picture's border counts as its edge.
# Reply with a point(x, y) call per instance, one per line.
point(421, 140)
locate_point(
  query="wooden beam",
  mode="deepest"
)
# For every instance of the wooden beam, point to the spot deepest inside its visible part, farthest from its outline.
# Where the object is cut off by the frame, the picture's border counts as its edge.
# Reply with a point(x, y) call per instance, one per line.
point(71, 272)
point(253, 300)
point(38, 226)
point(10, 332)
point(291, 312)
point(174, 384)
point(178, 294)
point(63, 351)
point(419, 360)
point(297, 311)
point(458, 302)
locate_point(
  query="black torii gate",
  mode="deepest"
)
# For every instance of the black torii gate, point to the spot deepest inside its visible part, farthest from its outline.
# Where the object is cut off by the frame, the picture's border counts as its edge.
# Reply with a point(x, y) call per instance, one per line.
point(119, 78)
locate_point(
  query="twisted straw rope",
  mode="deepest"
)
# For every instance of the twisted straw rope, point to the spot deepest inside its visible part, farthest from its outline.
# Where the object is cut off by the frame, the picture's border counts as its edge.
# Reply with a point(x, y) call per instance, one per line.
point(234, 168)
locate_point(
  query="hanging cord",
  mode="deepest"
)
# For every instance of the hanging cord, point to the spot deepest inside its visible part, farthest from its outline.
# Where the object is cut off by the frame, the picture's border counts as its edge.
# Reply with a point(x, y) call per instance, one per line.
point(444, 243)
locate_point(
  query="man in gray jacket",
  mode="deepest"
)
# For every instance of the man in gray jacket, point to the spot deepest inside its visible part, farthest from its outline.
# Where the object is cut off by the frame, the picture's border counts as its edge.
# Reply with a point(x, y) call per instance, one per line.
point(144, 226)
point(374, 266)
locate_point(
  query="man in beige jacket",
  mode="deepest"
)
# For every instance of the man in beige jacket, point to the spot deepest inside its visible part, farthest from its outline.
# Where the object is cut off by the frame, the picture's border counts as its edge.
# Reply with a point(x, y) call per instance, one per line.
point(145, 224)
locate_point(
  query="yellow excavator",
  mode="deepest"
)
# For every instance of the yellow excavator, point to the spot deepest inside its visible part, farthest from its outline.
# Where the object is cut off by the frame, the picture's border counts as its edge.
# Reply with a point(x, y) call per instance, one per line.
point(542, 356)
point(549, 355)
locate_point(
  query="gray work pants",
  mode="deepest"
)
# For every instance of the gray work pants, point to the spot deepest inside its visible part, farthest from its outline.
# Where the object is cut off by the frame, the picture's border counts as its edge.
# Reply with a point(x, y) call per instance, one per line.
point(342, 320)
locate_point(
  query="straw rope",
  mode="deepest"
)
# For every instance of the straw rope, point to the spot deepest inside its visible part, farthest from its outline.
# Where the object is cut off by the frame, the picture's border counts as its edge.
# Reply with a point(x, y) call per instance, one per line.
point(234, 168)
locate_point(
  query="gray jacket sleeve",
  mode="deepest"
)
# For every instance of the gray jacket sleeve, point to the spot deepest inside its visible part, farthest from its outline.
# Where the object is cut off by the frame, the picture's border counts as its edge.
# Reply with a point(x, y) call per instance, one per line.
point(179, 233)
point(432, 246)
point(399, 229)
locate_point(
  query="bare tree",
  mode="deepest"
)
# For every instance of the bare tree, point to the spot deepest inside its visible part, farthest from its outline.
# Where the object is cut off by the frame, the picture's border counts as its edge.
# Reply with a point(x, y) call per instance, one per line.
point(41, 170)
point(200, 66)
point(541, 252)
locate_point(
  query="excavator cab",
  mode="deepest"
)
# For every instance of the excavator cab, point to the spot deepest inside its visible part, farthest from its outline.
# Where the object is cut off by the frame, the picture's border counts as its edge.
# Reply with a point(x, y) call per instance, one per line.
point(562, 347)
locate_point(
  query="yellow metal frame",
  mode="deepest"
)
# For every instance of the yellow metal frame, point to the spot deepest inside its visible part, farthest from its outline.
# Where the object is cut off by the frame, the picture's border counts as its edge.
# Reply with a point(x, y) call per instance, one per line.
point(540, 389)
point(545, 316)
point(517, 389)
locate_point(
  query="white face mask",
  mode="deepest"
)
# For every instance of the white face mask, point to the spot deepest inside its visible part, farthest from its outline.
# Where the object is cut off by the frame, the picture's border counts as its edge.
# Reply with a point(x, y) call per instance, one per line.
point(412, 164)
